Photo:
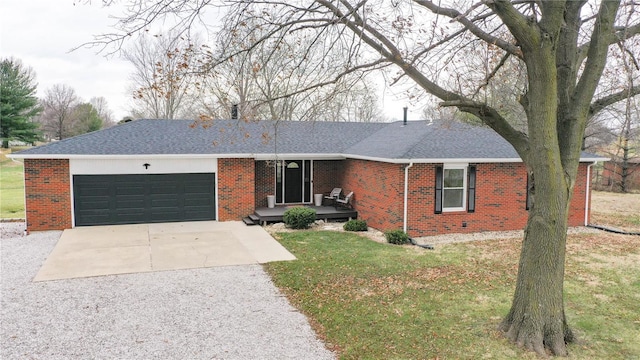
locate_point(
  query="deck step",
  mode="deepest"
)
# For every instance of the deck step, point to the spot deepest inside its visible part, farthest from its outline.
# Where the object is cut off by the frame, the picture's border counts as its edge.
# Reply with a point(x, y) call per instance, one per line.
point(254, 218)
point(248, 221)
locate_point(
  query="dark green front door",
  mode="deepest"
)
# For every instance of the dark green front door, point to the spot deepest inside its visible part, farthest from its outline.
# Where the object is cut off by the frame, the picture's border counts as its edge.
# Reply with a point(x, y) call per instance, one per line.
point(135, 199)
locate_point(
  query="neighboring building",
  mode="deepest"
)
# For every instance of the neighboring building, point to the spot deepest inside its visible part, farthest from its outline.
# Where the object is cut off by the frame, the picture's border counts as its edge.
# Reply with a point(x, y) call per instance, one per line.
point(611, 177)
point(428, 178)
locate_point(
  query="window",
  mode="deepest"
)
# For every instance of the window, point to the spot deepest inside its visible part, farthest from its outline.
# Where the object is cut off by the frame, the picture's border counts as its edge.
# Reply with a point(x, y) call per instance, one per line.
point(455, 188)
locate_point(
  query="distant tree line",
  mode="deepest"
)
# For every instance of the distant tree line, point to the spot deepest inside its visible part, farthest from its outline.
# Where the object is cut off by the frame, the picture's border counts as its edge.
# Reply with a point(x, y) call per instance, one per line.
point(58, 115)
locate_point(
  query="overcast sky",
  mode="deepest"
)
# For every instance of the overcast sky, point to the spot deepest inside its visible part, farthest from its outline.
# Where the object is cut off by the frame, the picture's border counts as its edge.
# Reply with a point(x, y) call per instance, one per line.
point(41, 34)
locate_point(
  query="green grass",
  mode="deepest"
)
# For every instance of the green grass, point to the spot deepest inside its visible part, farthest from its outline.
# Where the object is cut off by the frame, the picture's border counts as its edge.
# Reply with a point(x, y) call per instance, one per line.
point(11, 190)
point(376, 301)
point(633, 219)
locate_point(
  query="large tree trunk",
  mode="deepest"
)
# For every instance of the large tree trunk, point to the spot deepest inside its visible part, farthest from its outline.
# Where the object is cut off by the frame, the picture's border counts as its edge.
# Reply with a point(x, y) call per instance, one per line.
point(537, 320)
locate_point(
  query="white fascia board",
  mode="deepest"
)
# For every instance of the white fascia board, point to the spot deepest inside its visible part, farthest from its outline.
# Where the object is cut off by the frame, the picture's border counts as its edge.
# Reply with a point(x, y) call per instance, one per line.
point(452, 160)
point(291, 156)
point(269, 156)
point(595, 159)
point(136, 156)
point(435, 160)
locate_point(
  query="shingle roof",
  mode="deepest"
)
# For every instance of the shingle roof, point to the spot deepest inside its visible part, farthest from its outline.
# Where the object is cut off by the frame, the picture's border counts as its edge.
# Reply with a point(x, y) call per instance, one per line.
point(427, 140)
point(392, 141)
point(143, 137)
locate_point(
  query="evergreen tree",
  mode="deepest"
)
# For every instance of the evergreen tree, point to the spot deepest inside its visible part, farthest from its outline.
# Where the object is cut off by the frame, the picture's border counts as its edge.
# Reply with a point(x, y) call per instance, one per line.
point(87, 119)
point(18, 104)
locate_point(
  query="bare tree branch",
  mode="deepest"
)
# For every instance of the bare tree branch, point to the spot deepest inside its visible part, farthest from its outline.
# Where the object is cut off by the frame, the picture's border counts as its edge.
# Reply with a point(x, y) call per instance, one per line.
point(455, 15)
point(493, 73)
point(494, 120)
point(599, 104)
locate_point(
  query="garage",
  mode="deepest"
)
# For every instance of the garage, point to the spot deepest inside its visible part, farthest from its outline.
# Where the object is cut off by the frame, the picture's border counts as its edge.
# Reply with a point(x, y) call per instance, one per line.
point(143, 198)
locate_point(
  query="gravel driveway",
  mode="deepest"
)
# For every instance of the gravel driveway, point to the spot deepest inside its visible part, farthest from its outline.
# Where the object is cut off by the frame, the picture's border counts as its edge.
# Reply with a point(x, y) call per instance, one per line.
point(212, 313)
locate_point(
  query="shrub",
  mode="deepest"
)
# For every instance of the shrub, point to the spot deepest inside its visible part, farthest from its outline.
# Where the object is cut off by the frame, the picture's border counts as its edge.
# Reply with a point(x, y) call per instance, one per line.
point(398, 237)
point(299, 217)
point(355, 225)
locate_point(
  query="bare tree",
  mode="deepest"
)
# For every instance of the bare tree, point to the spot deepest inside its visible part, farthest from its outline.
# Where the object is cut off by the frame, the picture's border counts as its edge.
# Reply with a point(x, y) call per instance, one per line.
point(58, 119)
point(161, 84)
point(270, 82)
point(630, 123)
point(104, 113)
point(562, 46)
point(623, 148)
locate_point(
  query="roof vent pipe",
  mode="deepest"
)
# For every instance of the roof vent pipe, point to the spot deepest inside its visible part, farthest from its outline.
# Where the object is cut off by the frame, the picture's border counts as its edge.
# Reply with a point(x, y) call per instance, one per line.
point(405, 115)
point(234, 112)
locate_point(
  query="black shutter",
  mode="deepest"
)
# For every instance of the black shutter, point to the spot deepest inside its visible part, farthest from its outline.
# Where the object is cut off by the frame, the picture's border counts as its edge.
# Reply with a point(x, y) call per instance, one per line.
point(438, 208)
point(528, 201)
point(471, 192)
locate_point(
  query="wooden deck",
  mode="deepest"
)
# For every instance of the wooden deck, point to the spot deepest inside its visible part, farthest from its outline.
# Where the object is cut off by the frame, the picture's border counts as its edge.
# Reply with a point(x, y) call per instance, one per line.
point(266, 215)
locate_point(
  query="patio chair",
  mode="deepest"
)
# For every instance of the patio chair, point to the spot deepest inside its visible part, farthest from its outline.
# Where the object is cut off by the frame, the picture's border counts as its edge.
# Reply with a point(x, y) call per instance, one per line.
point(346, 202)
point(333, 195)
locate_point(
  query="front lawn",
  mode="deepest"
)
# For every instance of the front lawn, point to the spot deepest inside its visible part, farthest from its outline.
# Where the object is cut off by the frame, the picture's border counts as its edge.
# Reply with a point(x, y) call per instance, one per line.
point(377, 301)
point(11, 190)
point(621, 211)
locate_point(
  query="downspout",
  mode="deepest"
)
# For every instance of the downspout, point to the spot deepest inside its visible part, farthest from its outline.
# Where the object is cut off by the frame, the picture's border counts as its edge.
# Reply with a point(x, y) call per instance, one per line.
point(406, 194)
point(587, 193)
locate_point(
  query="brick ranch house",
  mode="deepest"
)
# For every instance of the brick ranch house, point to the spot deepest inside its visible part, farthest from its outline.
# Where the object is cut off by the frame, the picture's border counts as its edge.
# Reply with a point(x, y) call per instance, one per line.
point(427, 178)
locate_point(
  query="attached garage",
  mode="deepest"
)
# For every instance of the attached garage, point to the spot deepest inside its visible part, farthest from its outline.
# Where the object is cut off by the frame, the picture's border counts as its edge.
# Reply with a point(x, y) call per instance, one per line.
point(134, 199)
point(138, 190)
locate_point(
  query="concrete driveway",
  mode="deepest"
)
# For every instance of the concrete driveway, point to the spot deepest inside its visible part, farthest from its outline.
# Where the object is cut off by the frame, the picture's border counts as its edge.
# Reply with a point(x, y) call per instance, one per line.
point(222, 312)
point(122, 249)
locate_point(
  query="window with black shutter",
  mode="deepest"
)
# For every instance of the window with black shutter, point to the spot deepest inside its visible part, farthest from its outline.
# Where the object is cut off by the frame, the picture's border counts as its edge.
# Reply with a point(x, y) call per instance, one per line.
point(455, 188)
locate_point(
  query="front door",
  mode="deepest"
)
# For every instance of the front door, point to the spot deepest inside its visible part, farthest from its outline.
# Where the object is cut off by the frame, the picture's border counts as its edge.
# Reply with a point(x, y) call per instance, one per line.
point(293, 181)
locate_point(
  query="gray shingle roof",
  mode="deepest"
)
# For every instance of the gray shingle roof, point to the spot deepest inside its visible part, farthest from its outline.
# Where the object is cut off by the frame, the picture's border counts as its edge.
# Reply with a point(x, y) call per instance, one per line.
point(393, 141)
point(218, 137)
point(427, 140)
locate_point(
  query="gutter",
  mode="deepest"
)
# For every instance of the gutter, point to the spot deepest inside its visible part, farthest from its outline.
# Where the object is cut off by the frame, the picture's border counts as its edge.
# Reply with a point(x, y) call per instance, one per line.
point(406, 195)
point(587, 193)
point(282, 156)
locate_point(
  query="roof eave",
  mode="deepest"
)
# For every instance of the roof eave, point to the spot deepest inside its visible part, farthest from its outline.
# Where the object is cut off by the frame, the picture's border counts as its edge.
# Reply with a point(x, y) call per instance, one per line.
point(284, 156)
point(258, 156)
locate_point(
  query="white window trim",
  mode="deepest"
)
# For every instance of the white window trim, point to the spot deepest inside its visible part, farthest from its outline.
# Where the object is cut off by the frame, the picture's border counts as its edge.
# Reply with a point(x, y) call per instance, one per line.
point(465, 189)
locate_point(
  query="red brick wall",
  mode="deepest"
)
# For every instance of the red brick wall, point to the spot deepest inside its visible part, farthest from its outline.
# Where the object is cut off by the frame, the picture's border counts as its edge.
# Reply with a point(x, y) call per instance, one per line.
point(500, 198)
point(265, 183)
point(47, 194)
point(378, 192)
point(500, 201)
point(327, 174)
point(236, 188)
point(576, 209)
